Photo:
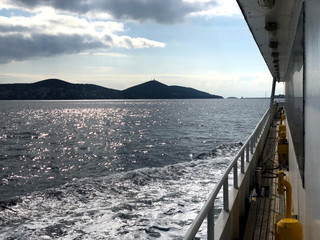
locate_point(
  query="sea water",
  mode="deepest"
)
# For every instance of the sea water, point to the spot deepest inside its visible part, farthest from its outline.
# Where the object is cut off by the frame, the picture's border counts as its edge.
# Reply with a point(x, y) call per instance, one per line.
point(133, 169)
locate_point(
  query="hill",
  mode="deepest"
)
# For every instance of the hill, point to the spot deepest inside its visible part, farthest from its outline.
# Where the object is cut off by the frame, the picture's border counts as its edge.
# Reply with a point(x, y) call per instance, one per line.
point(56, 89)
point(157, 90)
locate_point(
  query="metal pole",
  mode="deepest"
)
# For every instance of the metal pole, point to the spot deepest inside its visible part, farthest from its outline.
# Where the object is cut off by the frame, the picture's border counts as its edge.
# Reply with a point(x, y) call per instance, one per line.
point(225, 196)
point(272, 92)
point(251, 144)
point(247, 152)
point(235, 175)
point(210, 224)
point(242, 161)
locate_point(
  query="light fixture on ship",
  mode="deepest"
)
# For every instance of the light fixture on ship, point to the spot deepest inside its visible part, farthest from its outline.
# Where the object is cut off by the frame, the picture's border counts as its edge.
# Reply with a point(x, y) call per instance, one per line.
point(273, 45)
point(266, 3)
point(271, 29)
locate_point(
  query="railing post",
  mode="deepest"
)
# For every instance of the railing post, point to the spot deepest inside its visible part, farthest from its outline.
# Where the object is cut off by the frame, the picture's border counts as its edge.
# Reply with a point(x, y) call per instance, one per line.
point(226, 196)
point(210, 225)
point(242, 162)
point(255, 138)
point(235, 175)
point(207, 210)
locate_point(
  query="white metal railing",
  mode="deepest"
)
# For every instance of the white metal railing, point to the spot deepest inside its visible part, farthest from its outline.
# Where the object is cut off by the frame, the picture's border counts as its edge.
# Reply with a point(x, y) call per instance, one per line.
point(246, 151)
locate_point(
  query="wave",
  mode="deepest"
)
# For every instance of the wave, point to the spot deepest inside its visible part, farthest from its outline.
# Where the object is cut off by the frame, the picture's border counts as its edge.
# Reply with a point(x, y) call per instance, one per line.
point(222, 150)
point(145, 203)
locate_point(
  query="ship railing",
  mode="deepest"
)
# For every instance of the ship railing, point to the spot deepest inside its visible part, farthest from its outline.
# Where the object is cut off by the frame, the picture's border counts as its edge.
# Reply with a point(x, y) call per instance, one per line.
point(228, 225)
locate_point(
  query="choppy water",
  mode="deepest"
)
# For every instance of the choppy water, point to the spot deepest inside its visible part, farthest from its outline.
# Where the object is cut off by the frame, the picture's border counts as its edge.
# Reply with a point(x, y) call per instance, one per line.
point(114, 169)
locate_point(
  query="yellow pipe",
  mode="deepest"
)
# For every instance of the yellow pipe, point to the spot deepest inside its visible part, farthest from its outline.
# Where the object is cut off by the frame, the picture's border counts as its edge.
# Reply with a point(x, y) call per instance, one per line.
point(288, 228)
point(288, 198)
point(283, 116)
point(281, 184)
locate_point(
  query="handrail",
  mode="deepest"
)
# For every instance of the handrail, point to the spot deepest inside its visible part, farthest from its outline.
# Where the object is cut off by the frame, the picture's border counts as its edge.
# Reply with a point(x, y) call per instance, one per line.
point(209, 207)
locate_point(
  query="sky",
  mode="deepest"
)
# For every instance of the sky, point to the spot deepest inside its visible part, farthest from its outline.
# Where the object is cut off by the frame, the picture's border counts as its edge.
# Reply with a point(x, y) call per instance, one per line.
point(203, 44)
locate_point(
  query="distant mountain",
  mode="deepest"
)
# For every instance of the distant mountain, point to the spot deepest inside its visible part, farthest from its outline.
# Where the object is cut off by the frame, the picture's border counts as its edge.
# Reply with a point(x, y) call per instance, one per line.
point(157, 90)
point(56, 89)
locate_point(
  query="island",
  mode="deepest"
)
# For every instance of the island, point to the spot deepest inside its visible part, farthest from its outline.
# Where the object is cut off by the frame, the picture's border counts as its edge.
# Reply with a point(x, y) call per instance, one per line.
point(56, 89)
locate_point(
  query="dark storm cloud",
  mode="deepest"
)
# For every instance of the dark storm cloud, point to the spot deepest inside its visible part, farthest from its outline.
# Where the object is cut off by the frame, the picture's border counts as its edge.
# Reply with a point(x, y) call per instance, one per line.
point(15, 47)
point(31, 37)
point(6, 28)
point(161, 11)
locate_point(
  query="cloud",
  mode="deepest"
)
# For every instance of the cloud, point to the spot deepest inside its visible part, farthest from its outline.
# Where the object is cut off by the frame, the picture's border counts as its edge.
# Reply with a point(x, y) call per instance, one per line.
point(222, 8)
point(43, 28)
point(18, 47)
point(47, 33)
point(160, 11)
point(118, 55)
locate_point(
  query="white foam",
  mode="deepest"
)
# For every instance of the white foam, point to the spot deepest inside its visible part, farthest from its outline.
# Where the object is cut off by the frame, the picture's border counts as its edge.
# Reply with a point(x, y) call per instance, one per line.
point(145, 203)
